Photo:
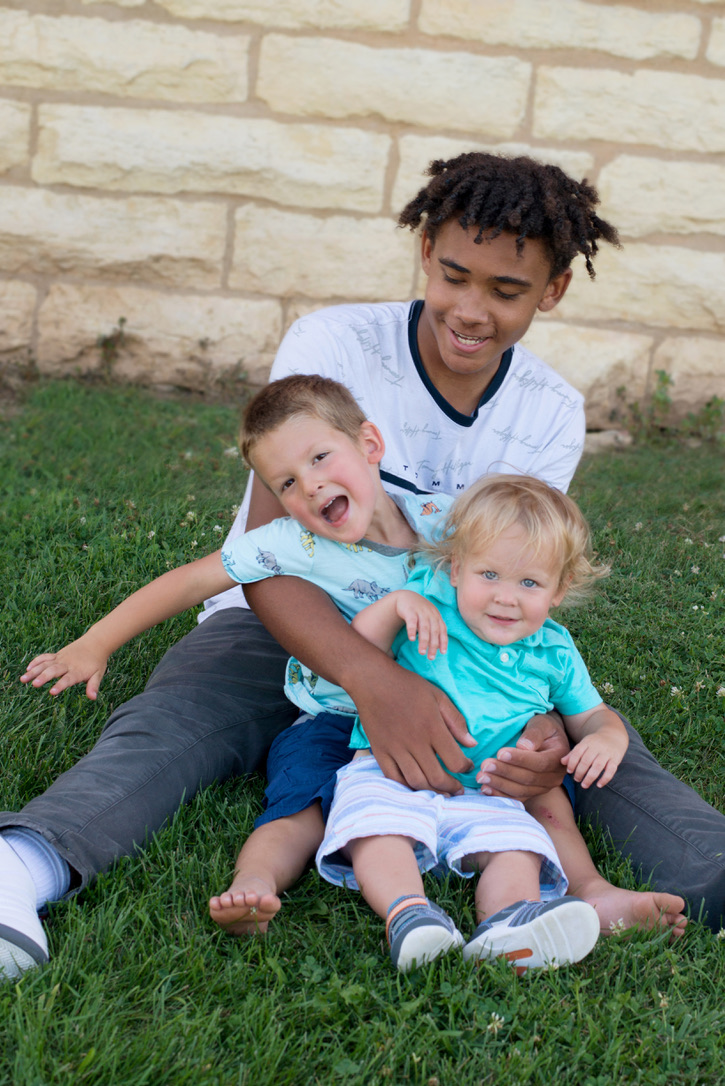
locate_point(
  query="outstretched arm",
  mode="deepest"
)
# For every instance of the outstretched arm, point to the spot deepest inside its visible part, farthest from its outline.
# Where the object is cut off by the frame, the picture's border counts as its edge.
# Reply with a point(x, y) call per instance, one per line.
point(86, 659)
point(388, 698)
point(601, 742)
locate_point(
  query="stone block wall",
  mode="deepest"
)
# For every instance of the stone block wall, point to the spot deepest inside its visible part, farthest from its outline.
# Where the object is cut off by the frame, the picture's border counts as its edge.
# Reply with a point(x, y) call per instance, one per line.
point(179, 179)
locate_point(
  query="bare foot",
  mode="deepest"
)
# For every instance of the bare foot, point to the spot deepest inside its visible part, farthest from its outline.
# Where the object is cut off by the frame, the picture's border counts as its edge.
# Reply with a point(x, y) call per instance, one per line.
point(646, 910)
point(247, 907)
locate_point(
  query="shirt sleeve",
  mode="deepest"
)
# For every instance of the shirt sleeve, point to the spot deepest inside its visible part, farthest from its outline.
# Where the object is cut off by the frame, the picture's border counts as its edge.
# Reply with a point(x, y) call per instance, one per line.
point(574, 692)
point(280, 548)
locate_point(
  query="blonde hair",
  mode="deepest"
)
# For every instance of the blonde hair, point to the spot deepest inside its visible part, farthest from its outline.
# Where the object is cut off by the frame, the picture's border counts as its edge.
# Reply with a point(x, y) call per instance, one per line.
point(552, 523)
point(299, 395)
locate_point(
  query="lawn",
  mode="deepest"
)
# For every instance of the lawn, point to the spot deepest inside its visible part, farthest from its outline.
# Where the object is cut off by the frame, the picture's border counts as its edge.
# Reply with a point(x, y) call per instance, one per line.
point(105, 488)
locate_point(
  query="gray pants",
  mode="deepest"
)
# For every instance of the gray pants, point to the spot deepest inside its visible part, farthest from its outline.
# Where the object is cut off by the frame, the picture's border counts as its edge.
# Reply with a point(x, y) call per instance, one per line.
point(211, 710)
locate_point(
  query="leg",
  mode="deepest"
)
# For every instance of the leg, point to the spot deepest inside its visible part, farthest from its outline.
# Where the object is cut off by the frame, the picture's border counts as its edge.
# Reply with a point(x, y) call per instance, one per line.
point(273, 857)
point(672, 836)
point(505, 877)
point(617, 909)
point(387, 872)
point(210, 710)
point(385, 869)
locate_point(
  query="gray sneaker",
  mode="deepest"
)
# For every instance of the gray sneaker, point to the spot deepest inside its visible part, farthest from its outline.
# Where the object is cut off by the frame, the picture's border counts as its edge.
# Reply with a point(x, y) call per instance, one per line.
point(534, 934)
point(420, 934)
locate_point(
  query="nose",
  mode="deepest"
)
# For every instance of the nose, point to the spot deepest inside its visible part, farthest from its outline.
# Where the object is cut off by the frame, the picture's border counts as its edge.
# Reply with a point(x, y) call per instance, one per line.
point(505, 594)
point(312, 483)
point(471, 308)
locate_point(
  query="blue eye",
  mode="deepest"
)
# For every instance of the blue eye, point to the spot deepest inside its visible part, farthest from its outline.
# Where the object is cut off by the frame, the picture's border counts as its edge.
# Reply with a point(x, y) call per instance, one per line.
point(489, 575)
point(529, 582)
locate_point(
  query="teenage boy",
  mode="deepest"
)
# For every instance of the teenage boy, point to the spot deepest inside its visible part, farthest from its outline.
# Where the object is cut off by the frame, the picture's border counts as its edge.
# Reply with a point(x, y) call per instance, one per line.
point(463, 398)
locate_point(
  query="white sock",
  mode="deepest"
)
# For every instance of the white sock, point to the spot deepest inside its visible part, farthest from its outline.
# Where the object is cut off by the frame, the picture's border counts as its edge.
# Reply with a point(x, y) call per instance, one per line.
point(22, 940)
point(48, 870)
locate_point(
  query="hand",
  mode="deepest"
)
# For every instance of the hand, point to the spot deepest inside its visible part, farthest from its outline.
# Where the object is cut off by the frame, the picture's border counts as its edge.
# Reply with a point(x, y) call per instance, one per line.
point(409, 724)
point(596, 756)
point(422, 620)
point(530, 768)
point(78, 662)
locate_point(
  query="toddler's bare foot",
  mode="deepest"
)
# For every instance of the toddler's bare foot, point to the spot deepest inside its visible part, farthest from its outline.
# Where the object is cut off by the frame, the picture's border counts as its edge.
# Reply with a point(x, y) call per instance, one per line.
point(247, 907)
point(646, 910)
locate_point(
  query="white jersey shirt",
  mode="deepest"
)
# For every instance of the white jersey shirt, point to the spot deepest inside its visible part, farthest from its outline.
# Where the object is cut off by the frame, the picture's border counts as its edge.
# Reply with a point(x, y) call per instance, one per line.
point(529, 421)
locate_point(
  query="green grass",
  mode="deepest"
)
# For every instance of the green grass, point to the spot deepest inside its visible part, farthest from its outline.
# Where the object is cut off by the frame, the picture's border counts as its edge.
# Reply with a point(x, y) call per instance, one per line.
point(141, 987)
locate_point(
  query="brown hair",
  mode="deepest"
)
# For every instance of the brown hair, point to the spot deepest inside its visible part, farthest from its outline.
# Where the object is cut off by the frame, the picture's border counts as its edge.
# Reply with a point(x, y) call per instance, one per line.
point(301, 394)
point(495, 193)
point(553, 526)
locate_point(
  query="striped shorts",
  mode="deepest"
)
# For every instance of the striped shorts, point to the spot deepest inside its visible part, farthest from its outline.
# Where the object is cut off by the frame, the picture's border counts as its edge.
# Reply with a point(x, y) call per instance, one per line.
point(445, 829)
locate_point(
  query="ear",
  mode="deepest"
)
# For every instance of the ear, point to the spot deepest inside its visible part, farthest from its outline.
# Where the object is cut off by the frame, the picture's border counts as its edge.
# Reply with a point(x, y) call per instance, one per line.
point(562, 591)
point(426, 249)
point(372, 442)
point(455, 570)
point(555, 290)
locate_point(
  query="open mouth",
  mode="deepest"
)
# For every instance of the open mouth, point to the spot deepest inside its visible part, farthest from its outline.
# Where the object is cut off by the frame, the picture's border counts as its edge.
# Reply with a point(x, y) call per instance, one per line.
point(467, 343)
point(335, 510)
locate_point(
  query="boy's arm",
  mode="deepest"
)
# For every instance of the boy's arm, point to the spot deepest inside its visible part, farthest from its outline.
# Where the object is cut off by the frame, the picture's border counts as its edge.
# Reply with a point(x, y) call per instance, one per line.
point(380, 622)
point(85, 660)
point(601, 741)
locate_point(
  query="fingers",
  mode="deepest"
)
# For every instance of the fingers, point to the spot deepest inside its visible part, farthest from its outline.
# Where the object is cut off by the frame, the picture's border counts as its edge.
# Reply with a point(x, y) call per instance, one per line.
point(44, 669)
point(520, 774)
point(430, 629)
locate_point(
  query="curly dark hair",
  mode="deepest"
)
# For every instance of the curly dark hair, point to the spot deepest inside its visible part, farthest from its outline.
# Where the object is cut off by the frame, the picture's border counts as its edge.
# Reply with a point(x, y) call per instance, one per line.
point(530, 199)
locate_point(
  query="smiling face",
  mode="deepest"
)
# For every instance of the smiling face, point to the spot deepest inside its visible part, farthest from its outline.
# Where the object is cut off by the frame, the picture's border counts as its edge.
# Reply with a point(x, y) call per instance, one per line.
point(480, 299)
point(505, 590)
point(322, 478)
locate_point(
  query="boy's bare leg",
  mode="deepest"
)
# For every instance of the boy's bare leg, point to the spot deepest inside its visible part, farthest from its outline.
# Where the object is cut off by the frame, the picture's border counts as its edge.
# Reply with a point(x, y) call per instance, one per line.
point(506, 877)
point(618, 909)
point(386, 869)
point(273, 857)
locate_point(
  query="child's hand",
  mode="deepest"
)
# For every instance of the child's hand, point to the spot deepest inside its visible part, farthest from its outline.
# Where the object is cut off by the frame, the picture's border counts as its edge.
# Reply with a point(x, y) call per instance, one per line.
point(596, 756)
point(422, 620)
point(76, 663)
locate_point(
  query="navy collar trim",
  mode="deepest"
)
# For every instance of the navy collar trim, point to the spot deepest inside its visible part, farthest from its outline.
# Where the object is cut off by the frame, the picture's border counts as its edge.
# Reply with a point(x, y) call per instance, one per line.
point(416, 311)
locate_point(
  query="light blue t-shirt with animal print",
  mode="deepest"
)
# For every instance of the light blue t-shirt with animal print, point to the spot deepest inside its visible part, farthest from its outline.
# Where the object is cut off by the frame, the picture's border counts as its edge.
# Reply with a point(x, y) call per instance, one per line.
point(352, 574)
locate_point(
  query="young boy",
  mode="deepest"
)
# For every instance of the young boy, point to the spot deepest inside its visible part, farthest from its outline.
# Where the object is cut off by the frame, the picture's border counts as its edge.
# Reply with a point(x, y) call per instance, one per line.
point(510, 550)
point(455, 397)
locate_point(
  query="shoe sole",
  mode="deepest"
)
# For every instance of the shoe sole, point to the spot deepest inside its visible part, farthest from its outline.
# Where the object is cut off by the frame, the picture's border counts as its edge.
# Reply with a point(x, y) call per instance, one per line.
point(424, 945)
point(18, 954)
point(558, 937)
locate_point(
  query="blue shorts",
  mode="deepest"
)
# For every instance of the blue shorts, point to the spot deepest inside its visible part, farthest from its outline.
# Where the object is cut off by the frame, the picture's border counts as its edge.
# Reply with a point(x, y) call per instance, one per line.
point(303, 762)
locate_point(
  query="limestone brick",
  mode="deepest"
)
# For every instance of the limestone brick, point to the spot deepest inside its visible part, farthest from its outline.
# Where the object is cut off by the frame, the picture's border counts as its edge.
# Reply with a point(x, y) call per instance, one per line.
point(417, 152)
point(569, 24)
point(134, 59)
point(424, 87)
point(595, 361)
point(716, 45)
point(17, 305)
point(665, 109)
point(298, 14)
point(191, 342)
point(282, 253)
point(307, 165)
point(119, 3)
point(661, 285)
point(14, 134)
point(155, 240)
point(647, 195)
point(697, 367)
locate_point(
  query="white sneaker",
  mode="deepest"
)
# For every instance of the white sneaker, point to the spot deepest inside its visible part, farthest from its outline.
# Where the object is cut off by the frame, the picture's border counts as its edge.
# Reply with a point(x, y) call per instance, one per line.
point(534, 934)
